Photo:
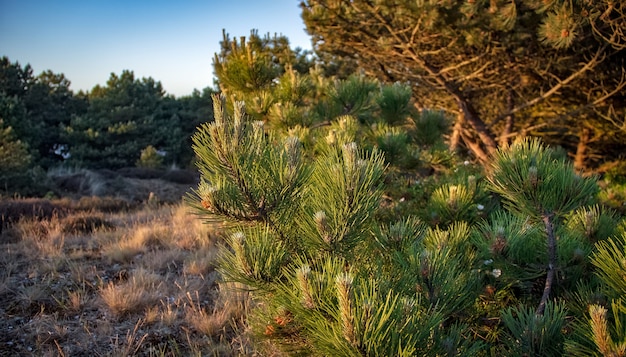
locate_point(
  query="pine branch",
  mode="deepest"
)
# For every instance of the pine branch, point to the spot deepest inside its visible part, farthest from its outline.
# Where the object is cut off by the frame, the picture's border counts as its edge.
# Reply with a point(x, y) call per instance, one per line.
point(588, 66)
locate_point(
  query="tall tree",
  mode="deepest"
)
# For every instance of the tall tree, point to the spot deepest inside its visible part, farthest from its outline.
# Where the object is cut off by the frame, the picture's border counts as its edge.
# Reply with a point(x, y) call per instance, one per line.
point(493, 64)
point(123, 118)
point(51, 105)
point(36, 108)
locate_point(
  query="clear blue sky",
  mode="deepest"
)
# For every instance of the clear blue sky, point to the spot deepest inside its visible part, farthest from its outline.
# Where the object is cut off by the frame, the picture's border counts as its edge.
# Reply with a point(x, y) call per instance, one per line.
point(171, 41)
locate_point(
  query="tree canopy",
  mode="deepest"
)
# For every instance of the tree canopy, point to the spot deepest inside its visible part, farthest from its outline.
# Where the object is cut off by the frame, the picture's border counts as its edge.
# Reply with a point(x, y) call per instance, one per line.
point(502, 68)
point(35, 107)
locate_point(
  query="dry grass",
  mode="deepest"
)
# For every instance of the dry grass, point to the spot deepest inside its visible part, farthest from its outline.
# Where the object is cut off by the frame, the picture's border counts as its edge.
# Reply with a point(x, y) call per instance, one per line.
point(133, 295)
point(126, 283)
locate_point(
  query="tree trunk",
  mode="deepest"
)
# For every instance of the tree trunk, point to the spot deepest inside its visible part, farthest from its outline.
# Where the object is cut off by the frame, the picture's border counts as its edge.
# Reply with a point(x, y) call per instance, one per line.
point(455, 138)
point(475, 148)
point(463, 104)
point(581, 149)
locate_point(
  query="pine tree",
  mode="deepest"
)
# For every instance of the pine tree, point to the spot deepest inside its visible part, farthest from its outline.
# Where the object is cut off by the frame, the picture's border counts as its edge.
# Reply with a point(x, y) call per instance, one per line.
point(501, 68)
point(301, 240)
point(123, 118)
point(535, 184)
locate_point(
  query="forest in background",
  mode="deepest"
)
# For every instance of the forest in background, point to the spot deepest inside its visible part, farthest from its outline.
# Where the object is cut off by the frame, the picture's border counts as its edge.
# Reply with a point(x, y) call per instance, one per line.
point(45, 125)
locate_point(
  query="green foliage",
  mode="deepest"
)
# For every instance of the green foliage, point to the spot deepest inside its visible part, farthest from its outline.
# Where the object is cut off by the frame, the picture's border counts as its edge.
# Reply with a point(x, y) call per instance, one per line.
point(532, 182)
point(400, 235)
point(614, 196)
point(306, 225)
point(320, 188)
point(507, 238)
point(123, 118)
point(595, 223)
point(247, 68)
point(439, 269)
point(249, 65)
point(17, 176)
point(616, 174)
point(430, 126)
point(331, 279)
point(343, 130)
point(149, 158)
point(36, 107)
point(531, 334)
point(346, 315)
point(189, 112)
point(450, 203)
point(394, 103)
point(608, 340)
point(245, 175)
point(395, 143)
point(486, 61)
point(610, 259)
point(601, 334)
point(14, 157)
point(354, 96)
point(266, 74)
point(108, 127)
point(254, 258)
point(344, 192)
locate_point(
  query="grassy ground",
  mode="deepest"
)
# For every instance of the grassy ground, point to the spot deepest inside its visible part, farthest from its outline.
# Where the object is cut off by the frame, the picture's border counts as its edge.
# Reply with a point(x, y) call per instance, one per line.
point(139, 282)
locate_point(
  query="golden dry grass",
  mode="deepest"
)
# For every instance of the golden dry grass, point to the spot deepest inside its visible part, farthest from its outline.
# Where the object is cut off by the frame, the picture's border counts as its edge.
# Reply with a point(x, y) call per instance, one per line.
point(143, 283)
point(133, 295)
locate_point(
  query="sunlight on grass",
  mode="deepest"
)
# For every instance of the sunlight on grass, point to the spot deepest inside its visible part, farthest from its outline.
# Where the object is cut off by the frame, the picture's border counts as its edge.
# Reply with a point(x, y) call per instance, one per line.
point(200, 262)
point(140, 282)
point(140, 291)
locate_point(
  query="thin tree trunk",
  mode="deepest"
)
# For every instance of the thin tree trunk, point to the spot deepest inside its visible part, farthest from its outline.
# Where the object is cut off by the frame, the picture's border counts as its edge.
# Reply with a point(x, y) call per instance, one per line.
point(581, 149)
point(469, 115)
point(549, 227)
point(475, 148)
point(455, 138)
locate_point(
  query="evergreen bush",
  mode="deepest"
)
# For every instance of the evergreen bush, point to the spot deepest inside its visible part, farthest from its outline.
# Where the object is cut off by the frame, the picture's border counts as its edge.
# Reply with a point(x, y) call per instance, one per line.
point(508, 267)
point(150, 158)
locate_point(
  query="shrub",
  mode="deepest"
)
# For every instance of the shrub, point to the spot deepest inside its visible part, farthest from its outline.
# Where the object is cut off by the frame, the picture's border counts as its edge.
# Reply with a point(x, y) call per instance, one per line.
point(102, 204)
point(332, 280)
point(143, 173)
point(150, 158)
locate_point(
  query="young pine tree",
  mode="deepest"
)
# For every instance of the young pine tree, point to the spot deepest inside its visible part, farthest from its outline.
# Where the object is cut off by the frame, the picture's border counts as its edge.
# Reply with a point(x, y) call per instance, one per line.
point(303, 238)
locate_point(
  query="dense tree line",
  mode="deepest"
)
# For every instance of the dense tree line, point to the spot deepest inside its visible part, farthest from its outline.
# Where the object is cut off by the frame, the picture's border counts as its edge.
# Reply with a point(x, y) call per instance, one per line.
point(45, 124)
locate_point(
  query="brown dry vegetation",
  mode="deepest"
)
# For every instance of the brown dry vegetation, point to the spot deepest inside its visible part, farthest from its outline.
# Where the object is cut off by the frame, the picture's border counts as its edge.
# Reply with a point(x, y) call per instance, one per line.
point(84, 282)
